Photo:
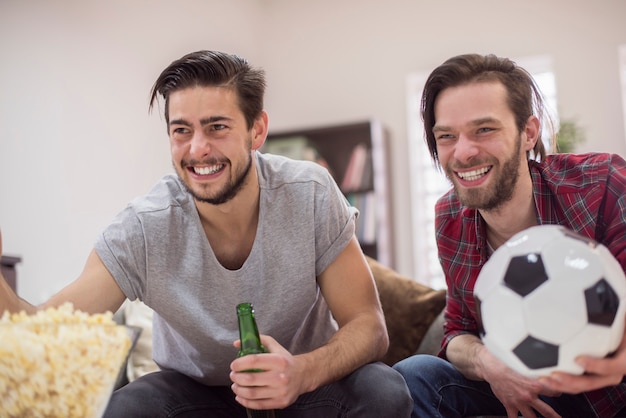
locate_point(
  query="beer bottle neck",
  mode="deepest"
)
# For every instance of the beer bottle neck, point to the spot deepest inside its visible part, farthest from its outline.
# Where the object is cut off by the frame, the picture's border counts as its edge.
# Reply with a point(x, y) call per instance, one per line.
point(248, 331)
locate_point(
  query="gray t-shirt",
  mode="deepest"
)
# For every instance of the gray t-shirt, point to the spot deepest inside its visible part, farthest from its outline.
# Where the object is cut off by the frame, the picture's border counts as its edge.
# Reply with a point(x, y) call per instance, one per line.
point(157, 251)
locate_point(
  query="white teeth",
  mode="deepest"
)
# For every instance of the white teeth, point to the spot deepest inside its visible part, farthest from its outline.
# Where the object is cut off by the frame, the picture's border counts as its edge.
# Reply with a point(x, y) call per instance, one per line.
point(207, 170)
point(474, 174)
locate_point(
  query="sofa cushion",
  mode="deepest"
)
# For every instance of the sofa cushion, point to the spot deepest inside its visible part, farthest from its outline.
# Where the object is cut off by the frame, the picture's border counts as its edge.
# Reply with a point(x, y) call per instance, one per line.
point(409, 307)
point(431, 343)
point(140, 362)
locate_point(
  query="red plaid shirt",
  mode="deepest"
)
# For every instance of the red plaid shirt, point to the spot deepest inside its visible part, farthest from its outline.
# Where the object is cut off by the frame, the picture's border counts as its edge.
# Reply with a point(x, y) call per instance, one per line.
point(586, 193)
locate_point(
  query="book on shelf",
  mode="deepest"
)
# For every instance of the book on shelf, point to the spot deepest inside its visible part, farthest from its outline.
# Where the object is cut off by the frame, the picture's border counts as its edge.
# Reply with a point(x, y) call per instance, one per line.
point(356, 169)
point(296, 148)
point(366, 221)
point(367, 178)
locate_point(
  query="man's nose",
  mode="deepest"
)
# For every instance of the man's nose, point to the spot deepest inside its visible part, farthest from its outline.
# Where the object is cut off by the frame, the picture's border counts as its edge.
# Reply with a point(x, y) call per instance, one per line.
point(200, 145)
point(465, 148)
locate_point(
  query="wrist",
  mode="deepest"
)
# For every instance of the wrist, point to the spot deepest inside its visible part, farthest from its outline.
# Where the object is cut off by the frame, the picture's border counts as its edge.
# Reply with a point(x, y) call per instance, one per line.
point(308, 370)
point(480, 355)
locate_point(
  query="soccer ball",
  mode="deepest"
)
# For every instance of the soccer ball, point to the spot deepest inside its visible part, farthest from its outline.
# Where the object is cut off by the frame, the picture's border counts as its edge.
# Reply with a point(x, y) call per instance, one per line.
point(547, 296)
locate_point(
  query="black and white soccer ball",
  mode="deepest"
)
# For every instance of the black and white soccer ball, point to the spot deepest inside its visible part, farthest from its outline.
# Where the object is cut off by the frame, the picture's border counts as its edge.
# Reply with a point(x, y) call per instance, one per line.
point(547, 296)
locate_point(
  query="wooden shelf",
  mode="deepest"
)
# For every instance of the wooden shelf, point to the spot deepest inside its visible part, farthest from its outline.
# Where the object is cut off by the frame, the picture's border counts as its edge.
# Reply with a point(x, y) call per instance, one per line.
point(367, 186)
point(7, 263)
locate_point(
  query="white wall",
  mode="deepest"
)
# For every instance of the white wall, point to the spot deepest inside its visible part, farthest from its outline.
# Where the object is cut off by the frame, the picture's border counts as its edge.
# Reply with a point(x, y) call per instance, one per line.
point(76, 141)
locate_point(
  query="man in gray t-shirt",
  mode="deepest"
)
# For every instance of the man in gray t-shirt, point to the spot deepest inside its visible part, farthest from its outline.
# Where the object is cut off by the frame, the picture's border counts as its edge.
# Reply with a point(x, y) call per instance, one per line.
point(157, 251)
point(234, 225)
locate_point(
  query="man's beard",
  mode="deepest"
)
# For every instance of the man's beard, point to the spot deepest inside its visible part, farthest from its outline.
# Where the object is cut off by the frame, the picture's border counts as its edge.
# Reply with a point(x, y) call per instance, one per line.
point(500, 192)
point(229, 191)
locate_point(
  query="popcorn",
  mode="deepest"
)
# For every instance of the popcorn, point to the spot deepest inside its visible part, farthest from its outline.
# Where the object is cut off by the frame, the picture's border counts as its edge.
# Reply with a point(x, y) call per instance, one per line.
point(59, 362)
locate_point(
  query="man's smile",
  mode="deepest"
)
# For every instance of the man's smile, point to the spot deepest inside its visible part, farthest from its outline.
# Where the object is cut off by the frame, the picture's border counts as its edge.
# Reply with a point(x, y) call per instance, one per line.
point(473, 175)
point(207, 170)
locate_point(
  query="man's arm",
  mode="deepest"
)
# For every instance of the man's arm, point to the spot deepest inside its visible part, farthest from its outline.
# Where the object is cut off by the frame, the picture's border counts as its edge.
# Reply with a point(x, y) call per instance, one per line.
point(610, 370)
point(94, 291)
point(9, 301)
point(349, 289)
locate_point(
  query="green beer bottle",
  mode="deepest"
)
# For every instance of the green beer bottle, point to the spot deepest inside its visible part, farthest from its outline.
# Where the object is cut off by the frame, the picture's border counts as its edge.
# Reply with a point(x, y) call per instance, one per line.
point(251, 344)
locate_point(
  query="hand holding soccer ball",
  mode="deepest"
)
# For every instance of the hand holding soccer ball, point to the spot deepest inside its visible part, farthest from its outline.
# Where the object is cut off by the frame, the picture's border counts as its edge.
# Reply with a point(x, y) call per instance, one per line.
point(547, 296)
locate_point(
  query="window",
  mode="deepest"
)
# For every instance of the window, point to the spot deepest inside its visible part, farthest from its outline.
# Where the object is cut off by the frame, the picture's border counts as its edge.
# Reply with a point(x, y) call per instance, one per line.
point(622, 74)
point(428, 183)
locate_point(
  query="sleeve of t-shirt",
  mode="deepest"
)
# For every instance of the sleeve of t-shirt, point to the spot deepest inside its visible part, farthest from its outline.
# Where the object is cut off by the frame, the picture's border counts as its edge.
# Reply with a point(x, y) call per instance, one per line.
point(121, 247)
point(334, 224)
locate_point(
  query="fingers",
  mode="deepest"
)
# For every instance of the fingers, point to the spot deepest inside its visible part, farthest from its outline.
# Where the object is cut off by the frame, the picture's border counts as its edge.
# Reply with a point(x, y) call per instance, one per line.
point(513, 412)
point(274, 386)
point(265, 389)
point(539, 406)
point(251, 380)
point(544, 410)
point(599, 373)
point(601, 366)
point(551, 393)
point(574, 384)
point(268, 342)
point(250, 362)
point(272, 345)
point(253, 389)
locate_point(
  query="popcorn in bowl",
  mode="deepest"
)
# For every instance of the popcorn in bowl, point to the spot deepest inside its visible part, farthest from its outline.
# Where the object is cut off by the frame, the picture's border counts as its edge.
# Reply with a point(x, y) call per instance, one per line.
point(59, 362)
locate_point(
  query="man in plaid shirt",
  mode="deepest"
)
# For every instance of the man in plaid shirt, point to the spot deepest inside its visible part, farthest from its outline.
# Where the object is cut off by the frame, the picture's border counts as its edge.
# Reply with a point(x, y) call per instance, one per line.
point(482, 117)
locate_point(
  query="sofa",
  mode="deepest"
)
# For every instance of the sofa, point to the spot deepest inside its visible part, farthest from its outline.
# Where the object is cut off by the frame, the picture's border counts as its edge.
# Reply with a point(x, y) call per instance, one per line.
point(413, 314)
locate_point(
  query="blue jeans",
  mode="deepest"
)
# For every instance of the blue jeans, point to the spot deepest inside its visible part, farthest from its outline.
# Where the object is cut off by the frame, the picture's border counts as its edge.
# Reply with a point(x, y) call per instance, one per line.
point(439, 390)
point(374, 390)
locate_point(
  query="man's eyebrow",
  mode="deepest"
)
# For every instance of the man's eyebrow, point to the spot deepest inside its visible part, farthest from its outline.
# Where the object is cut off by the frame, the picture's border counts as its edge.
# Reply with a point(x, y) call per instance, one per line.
point(179, 122)
point(482, 121)
point(203, 122)
point(440, 128)
point(213, 119)
point(475, 122)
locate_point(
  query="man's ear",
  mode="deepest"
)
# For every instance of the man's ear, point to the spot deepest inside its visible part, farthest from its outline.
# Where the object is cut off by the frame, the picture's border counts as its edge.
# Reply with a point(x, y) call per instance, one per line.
point(531, 133)
point(260, 130)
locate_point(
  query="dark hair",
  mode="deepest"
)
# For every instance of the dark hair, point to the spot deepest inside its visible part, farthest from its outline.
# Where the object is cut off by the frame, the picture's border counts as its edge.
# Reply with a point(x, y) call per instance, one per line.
point(524, 97)
point(213, 68)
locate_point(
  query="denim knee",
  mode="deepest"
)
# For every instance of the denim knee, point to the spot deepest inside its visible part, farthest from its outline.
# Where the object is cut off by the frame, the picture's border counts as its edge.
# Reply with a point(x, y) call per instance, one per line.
point(382, 392)
point(420, 369)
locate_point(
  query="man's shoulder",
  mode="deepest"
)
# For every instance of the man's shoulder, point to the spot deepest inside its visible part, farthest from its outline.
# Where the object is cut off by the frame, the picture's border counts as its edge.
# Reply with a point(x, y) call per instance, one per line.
point(448, 205)
point(167, 192)
point(579, 162)
point(275, 171)
point(576, 170)
point(451, 216)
